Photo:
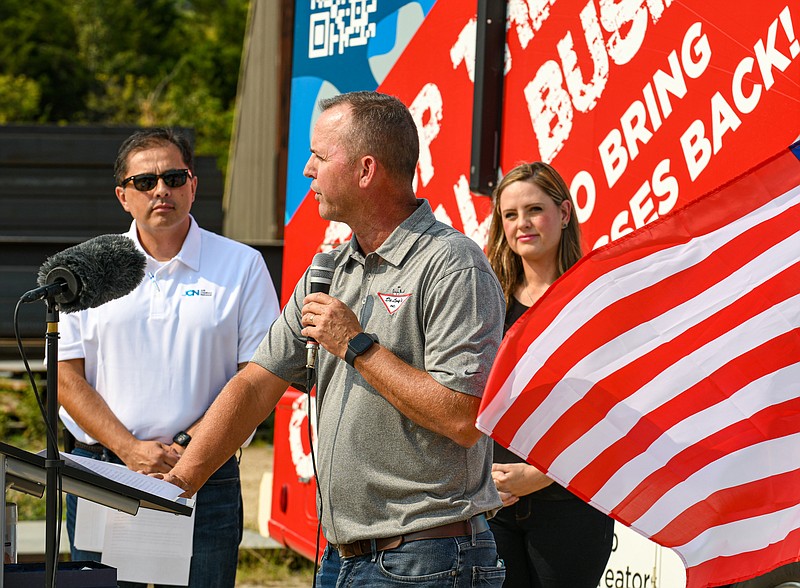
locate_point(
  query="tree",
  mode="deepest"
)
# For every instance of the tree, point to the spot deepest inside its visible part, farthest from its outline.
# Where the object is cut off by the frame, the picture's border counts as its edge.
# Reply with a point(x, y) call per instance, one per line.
point(37, 41)
point(19, 97)
point(131, 62)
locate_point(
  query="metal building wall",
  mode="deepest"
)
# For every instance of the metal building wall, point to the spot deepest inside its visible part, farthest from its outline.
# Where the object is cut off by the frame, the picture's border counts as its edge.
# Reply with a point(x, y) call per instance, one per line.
point(253, 200)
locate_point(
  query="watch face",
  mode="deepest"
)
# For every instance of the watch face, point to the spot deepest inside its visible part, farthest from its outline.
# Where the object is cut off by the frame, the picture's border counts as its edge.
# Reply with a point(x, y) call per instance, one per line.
point(360, 343)
point(182, 439)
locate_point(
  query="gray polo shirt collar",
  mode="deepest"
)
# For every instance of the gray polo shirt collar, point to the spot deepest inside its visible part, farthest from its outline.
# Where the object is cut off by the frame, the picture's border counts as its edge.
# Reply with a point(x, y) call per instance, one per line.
point(397, 246)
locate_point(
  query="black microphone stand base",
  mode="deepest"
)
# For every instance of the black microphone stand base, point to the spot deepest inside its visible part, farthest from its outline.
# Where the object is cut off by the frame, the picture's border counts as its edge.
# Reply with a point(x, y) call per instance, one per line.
point(70, 574)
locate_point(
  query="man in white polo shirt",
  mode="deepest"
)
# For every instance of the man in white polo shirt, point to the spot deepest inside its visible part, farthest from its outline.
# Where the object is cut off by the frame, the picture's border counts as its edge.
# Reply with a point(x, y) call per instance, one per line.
point(136, 375)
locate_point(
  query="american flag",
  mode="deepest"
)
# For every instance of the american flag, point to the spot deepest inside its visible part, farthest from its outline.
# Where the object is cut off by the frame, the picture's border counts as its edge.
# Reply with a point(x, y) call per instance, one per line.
point(659, 378)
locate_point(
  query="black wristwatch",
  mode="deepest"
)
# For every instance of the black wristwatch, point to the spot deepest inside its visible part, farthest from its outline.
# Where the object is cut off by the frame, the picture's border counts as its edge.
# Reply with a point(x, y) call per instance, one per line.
point(358, 345)
point(182, 438)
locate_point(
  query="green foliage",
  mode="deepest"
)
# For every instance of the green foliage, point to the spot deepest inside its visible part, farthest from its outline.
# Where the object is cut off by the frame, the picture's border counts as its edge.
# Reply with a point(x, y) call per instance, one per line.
point(29, 508)
point(20, 96)
point(21, 425)
point(21, 421)
point(273, 567)
point(38, 40)
point(127, 62)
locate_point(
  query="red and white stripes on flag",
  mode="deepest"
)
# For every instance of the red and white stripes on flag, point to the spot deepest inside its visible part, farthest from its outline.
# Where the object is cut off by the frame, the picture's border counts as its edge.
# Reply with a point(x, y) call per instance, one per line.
point(659, 379)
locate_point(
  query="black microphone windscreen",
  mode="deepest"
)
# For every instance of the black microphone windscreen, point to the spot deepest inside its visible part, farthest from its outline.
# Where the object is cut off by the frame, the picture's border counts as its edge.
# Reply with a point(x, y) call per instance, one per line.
point(106, 268)
point(320, 273)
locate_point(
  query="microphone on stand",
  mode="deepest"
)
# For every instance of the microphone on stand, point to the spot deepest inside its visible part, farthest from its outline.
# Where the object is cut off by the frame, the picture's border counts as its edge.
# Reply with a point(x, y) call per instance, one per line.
point(90, 274)
point(87, 275)
point(320, 275)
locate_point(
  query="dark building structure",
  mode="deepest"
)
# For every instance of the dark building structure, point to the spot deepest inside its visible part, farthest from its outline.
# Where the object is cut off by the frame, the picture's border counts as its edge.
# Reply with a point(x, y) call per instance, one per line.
point(57, 190)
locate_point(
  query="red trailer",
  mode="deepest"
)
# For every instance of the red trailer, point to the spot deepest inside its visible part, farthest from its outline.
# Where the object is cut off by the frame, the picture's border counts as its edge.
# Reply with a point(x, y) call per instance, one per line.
point(642, 105)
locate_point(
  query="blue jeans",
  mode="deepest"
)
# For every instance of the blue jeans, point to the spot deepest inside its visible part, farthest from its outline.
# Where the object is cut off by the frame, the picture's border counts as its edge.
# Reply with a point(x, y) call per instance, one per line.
point(453, 562)
point(217, 528)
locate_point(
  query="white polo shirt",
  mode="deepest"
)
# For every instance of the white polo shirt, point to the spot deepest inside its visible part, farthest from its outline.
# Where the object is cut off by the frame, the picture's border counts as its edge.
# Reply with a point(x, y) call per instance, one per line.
point(160, 355)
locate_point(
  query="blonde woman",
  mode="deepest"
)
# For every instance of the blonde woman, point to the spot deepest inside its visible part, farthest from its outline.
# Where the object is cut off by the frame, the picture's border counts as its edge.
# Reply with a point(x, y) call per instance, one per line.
point(547, 537)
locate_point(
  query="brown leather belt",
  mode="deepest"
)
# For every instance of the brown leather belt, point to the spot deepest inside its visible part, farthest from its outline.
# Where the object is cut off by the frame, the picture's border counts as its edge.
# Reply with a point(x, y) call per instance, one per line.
point(476, 524)
point(97, 449)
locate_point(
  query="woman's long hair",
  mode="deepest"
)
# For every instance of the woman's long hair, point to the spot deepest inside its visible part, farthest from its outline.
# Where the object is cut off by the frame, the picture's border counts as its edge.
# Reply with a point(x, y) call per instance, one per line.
point(507, 264)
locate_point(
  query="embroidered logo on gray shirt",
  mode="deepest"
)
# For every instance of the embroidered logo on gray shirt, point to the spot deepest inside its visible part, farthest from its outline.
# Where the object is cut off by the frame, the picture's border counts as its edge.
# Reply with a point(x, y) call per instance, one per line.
point(393, 302)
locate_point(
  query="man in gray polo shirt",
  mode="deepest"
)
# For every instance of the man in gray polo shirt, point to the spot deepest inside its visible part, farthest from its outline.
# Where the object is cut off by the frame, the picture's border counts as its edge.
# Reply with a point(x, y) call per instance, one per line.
point(407, 335)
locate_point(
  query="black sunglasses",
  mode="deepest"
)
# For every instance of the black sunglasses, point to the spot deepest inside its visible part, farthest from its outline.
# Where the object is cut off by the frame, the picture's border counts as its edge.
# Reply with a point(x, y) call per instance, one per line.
point(173, 178)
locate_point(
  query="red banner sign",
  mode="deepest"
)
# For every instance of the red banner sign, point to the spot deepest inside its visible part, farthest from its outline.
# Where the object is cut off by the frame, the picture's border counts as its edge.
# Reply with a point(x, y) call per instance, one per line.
point(642, 105)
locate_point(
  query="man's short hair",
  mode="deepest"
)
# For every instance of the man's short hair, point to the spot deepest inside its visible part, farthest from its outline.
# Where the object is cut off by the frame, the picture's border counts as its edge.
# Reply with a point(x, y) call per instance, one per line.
point(147, 139)
point(382, 127)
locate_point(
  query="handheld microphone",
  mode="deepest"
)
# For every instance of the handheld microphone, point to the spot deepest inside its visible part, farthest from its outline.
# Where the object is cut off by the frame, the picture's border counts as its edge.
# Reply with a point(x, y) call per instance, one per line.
point(320, 275)
point(90, 274)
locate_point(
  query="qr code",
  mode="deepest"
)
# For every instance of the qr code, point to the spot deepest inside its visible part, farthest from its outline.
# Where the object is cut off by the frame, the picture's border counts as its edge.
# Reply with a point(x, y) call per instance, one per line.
point(336, 25)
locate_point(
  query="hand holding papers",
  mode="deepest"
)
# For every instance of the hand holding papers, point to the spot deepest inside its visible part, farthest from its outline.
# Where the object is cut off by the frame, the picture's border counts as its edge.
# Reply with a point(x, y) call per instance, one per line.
point(123, 475)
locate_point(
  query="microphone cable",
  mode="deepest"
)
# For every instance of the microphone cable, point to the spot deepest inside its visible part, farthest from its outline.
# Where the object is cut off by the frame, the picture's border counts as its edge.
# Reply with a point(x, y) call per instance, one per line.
point(52, 436)
point(31, 378)
point(311, 385)
point(311, 381)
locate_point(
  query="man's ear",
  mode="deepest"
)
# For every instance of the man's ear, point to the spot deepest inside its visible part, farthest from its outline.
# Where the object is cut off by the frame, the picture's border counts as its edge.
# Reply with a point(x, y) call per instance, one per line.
point(367, 170)
point(193, 179)
point(123, 200)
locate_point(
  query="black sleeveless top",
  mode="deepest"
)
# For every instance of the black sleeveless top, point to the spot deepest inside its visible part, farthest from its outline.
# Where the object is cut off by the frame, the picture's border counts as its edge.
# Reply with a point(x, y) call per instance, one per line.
point(502, 455)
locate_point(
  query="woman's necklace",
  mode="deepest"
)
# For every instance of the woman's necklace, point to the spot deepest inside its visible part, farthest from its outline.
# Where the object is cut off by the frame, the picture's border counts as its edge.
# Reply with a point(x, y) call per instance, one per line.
point(525, 289)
